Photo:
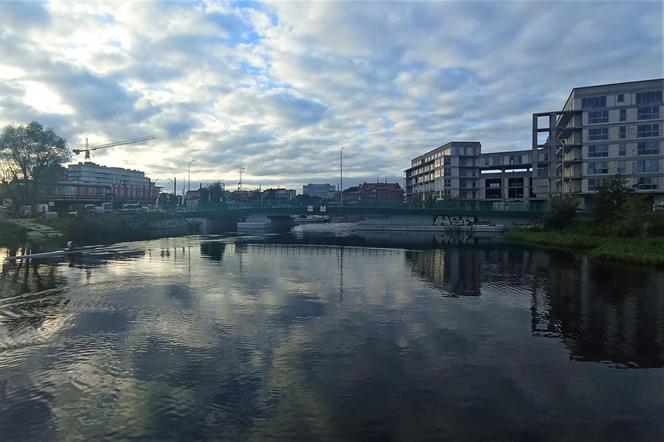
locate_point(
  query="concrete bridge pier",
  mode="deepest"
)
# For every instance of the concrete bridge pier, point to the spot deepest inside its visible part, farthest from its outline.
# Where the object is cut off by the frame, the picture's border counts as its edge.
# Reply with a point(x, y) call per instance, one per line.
point(214, 225)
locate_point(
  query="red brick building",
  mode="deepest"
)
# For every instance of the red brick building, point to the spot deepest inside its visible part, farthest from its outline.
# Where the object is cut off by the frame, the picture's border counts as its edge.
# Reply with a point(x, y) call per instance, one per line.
point(374, 192)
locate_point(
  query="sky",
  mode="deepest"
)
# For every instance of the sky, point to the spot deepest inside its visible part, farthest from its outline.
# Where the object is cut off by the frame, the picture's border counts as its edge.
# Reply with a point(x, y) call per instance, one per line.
point(281, 86)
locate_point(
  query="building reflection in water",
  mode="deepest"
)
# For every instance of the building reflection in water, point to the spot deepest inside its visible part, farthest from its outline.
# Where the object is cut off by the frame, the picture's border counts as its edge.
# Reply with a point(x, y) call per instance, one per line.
point(603, 311)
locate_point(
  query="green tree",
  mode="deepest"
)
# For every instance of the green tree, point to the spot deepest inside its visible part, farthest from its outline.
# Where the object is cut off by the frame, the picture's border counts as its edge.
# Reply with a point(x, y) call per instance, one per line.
point(562, 214)
point(609, 201)
point(619, 211)
point(31, 159)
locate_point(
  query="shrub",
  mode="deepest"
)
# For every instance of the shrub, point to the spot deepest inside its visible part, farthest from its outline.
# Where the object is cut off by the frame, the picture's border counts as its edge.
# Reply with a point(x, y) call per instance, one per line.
point(562, 214)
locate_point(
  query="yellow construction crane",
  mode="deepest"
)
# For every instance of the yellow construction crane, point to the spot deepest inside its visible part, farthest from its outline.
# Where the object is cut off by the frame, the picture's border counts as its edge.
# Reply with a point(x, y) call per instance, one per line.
point(87, 149)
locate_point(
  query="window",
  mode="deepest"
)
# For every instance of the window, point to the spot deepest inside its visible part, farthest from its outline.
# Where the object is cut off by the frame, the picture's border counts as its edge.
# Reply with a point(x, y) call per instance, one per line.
point(647, 113)
point(598, 134)
point(515, 192)
point(622, 149)
point(647, 148)
point(647, 130)
point(646, 183)
point(492, 188)
point(623, 115)
point(623, 132)
point(601, 116)
point(647, 166)
point(598, 167)
point(515, 182)
point(594, 184)
point(621, 167)
point(621, 98)
point(654, 97)
point(447, 182)
point(593, 102)
point(598, 117)
point(598, 150)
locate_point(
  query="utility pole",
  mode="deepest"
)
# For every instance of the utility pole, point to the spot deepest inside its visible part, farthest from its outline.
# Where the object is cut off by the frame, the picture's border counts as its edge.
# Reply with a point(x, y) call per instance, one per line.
point(341, 176)
point(175, 185)
point(239, 184)
point(189, 172)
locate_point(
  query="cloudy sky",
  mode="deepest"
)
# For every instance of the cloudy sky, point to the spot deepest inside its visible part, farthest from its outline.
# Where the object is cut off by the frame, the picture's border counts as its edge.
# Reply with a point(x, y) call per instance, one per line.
point(281, 86)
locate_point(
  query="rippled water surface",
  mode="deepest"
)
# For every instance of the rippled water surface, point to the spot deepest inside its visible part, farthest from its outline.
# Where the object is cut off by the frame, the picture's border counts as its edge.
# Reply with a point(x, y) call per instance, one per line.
point(320, 335)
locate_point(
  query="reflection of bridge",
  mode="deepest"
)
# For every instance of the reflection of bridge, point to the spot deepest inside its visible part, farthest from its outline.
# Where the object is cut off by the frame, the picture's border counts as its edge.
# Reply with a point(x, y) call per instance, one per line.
point(470, 211)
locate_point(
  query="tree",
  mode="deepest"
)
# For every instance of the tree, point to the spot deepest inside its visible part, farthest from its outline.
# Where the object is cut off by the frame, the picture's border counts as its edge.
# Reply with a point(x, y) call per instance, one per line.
point(562, 214)
point(31, 159)
point(620, 211)
point(609, 201)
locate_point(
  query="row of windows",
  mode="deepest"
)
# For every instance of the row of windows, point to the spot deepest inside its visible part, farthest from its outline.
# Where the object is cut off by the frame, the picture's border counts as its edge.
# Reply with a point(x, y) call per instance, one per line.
point(651, 97)
point(642, 131)
point(642, 183)
point(642, 113)
point(511, 160)
point(590, 102)
point(642, 166)
point(642, 148)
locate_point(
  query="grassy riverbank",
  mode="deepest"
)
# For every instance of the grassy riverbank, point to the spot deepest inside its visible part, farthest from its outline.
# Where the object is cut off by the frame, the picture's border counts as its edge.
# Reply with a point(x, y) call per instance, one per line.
point(11, 233)
point(111, 227)
point(641, 250)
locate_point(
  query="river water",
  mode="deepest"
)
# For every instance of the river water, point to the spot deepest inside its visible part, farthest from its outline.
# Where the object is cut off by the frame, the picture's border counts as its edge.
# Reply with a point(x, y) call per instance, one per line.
point(327, 334)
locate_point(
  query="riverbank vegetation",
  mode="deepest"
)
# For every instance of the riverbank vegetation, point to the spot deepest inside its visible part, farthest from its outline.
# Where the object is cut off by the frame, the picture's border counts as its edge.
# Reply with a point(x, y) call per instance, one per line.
point(111, 227)
point(623, 227)
point(11, 233)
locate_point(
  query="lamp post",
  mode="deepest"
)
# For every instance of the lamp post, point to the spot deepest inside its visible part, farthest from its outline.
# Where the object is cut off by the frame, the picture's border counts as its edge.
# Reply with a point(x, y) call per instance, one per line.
point(341, 176)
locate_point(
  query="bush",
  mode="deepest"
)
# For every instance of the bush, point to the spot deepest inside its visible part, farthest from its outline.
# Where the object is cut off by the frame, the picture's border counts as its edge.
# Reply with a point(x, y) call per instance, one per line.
point(562, 214)
point(11, 233)
point(655, 224)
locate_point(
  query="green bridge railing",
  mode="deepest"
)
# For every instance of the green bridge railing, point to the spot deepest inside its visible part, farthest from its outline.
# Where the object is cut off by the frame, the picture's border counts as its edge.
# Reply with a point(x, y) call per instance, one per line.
point(532, 207)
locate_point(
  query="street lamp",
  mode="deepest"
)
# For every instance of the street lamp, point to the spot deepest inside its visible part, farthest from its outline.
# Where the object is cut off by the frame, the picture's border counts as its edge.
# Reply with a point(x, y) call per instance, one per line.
point(341, 176)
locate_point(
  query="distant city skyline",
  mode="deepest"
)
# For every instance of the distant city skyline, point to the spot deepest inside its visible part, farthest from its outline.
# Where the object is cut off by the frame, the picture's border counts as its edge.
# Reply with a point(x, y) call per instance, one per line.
point(280, 87)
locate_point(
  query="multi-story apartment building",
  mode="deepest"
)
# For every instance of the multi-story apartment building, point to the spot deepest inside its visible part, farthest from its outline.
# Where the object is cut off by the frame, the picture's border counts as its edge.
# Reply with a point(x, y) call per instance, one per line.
point(323, 191)
point(449, 171)
point(601, 131)
point(90, 182)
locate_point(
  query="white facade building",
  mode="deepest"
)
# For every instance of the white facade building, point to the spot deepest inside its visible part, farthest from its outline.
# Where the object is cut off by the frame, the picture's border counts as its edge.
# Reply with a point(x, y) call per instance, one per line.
point(323, 191)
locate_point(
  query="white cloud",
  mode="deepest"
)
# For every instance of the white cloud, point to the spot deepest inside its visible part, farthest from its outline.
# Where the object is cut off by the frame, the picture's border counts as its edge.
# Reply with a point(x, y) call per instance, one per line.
point(280, 86)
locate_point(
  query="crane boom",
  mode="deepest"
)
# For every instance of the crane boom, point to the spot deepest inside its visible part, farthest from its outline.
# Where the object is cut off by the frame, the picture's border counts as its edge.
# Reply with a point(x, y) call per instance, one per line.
point(89, 149)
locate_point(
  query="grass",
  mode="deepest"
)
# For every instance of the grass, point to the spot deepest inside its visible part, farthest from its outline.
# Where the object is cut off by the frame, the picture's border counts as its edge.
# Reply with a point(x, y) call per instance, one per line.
point(644, 250)
point(11, 233)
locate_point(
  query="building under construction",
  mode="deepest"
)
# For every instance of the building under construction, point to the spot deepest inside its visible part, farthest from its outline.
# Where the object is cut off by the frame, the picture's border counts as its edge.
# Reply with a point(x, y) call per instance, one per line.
point(601, 131)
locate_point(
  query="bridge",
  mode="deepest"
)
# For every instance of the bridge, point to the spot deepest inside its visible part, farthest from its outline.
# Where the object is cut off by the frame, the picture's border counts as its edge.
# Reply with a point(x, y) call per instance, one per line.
point(439, 213)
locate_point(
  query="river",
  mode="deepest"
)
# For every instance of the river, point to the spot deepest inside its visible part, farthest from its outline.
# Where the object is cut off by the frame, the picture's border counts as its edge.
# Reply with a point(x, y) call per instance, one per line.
point(324, 333)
